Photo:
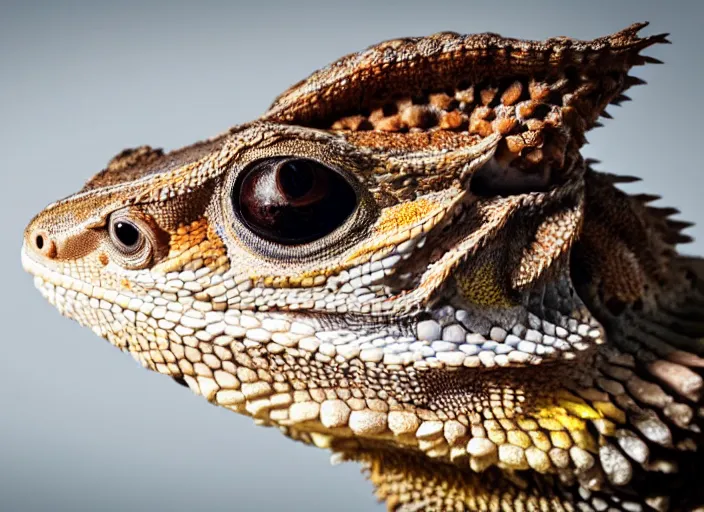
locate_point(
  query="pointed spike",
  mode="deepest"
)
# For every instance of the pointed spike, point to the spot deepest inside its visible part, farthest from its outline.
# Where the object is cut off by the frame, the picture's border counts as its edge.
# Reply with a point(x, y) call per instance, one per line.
point(632, 81)
point(615, 178)
point(679, 224)
point(606, 115)
point(655, 39)
point(646, 198)
point(660, 38)
point(621, 98)
point(677, 238)
point(637, 26)
point(663, 212)
point(647, 59)
point(591, 161)
point(597, 124)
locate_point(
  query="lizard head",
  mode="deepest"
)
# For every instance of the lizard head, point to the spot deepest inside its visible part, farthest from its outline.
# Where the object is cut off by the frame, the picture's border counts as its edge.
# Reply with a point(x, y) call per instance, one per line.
point(383, 260)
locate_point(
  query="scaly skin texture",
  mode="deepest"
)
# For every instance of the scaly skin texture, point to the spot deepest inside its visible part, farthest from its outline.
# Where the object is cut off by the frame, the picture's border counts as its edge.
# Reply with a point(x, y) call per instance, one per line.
point(494, 326)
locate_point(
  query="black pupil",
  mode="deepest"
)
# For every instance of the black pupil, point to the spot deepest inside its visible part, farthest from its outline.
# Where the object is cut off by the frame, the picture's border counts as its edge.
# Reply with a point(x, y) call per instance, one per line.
point(293, 201)
point(295, 180)
point(127, 234)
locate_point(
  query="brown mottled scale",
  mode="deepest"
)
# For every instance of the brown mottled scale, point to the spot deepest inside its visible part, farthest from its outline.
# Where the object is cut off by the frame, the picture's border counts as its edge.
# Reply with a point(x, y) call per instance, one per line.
point(445, 61)
point(489, 128)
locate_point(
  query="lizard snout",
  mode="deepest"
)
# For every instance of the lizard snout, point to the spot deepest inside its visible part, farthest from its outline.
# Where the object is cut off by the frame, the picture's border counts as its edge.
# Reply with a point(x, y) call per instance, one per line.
point(46, 240)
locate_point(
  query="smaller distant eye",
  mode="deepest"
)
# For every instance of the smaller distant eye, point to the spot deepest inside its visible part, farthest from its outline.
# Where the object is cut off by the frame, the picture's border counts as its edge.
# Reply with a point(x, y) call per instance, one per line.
point(135, 239)
point(126, 236)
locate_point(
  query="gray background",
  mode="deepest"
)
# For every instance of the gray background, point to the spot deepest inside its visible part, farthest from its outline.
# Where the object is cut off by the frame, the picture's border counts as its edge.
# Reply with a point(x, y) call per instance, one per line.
point(82, 427)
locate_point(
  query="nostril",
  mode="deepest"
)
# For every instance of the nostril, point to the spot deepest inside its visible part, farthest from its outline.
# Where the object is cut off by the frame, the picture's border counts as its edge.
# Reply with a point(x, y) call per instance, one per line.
point(44, 244)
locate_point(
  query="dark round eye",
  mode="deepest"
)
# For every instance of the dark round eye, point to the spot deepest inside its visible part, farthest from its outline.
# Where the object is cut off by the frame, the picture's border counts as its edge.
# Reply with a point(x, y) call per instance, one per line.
point(126, 235)
point(136, 239)
point(293, 201)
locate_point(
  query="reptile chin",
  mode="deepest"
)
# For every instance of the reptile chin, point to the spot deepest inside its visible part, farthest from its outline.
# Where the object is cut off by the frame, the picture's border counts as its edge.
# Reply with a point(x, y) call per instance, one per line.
point(333, 381)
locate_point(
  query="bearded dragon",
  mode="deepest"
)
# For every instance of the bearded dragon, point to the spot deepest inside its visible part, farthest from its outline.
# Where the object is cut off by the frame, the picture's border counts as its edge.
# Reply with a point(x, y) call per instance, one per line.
point(407, 261)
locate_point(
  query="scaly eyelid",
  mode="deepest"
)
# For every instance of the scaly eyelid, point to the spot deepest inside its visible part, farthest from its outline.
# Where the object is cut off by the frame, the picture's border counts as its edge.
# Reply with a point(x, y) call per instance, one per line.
point(99, 223)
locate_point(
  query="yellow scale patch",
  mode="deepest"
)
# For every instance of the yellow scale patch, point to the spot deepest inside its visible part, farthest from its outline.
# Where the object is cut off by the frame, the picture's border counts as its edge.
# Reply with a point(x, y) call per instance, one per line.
point(569, 412)
point(481, 287)
point(304, 280)
point(402, 215)
point(397, 224)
